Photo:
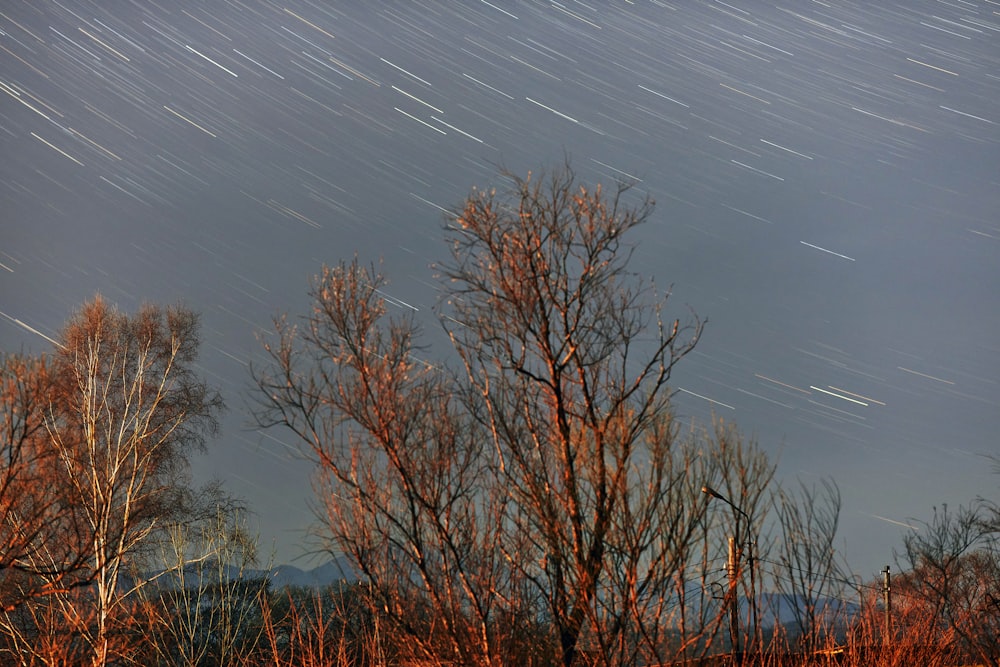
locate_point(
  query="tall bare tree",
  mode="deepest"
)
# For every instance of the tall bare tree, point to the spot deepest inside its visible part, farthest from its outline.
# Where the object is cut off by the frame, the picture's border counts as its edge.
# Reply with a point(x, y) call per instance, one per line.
point(402, 480)
point(125, 412)
point(569, 361)
point(542, 486)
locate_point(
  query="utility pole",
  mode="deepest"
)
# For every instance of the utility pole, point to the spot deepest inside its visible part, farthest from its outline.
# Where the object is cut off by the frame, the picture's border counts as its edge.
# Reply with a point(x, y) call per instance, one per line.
point(734, 601)
point(733, 566)
point(887, 593)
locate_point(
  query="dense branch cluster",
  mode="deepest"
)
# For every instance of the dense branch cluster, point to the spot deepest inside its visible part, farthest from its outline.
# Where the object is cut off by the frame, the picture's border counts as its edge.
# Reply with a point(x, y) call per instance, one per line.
point(528, 497)
point(537, 503)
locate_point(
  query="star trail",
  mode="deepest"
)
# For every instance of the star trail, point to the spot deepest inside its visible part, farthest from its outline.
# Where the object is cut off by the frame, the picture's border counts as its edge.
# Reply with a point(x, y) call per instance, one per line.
point(827, 178)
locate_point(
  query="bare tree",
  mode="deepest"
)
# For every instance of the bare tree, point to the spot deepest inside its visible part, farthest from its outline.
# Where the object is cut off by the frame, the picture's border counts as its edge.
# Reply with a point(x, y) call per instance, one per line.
point(569, 361)
point(542, 487)
point(206, 605)
point(401, 478)
point(808, 571)
point(125, 412)
point(952, 578)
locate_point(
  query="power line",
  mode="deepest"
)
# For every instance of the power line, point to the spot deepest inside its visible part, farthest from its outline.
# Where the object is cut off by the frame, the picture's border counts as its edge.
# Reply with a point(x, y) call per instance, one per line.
point(849, 582)
point(879, 587)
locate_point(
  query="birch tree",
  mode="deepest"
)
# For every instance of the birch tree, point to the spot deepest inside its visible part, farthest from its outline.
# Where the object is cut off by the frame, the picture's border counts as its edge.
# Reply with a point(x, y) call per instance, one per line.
point(126, 412)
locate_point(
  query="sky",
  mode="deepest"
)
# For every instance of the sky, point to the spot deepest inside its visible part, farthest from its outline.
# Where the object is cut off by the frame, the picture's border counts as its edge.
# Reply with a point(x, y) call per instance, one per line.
point(827, 179)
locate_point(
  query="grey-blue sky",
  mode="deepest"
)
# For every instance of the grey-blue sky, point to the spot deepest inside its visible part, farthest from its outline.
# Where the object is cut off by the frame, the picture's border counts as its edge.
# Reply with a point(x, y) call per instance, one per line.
point(826, 177)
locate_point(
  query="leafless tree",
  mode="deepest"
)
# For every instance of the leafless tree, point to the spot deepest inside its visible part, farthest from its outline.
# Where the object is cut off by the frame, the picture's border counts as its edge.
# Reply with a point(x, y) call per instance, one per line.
point(808, 571)
point(206, 605)
point(951, 576)
point(401, 476)
point(569, 361)
point(125, 412)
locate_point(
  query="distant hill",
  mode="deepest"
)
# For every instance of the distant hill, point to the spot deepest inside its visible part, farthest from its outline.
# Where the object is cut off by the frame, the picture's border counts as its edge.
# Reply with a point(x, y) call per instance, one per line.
point(280, 576)
point(782, 609)
point(338, 569)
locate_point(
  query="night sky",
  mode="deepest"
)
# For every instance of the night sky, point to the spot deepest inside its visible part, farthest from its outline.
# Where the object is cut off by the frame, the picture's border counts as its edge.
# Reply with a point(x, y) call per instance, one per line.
point(827, 178)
